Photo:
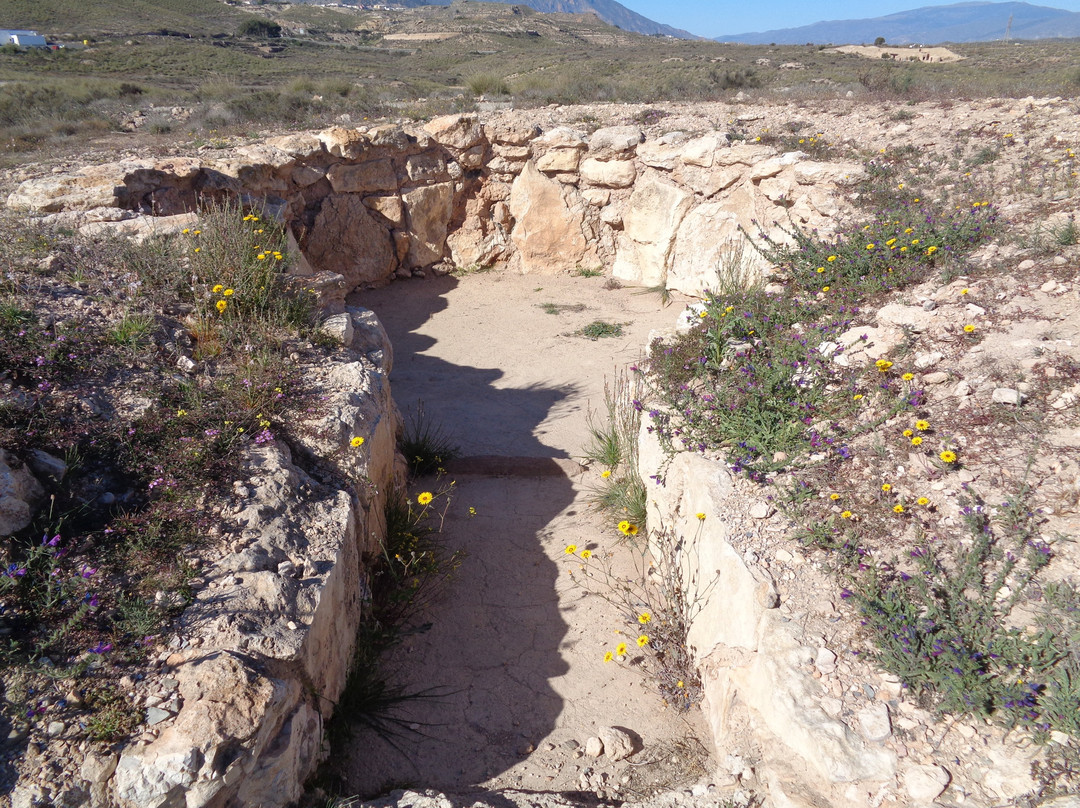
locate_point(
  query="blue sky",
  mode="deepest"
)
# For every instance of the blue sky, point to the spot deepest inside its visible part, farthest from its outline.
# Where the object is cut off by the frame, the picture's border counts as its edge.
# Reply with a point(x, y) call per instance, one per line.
point(715, 17)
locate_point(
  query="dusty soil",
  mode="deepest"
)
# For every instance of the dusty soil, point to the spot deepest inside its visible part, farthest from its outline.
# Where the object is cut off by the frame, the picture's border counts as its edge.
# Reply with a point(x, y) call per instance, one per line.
point(510, 651)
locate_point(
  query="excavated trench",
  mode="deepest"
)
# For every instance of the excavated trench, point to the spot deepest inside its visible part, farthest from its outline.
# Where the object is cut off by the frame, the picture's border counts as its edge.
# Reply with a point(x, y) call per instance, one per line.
point(508, 654)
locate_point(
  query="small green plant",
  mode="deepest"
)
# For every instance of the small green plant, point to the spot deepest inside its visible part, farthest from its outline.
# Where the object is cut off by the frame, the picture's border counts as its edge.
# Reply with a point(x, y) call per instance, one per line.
point(598, 329)
point(612, 444)
point(1066, 234)
point(559, 308)
point(588, 272)
point(132, 331)
point(425, 444)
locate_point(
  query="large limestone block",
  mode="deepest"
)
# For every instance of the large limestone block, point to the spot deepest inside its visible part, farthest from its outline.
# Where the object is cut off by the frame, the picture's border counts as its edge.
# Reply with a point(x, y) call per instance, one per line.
point(547, 234)
point(608, 174)
point(302, 145)
point(743, 154)
point(709, 250)
point(700, 151)
point(708, 181)
point(657, 154)
point(512, 132)
point(458, 132)
point(728, 597)
point(19, 494)
point(346, 239)
point(389, 207)
point(650, 222)
point(813, 173)
point(779, 689)
point(346, 143)
point(559, 160)
point(373, 175)
point(561, 137)
point(101, 186)
point(615, 140)
point(230, 717)
point(426, 167)
point(427, 216)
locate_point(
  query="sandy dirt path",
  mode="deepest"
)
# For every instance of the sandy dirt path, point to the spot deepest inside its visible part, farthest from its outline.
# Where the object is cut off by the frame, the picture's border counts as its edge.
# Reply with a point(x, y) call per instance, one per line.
point(511, 647)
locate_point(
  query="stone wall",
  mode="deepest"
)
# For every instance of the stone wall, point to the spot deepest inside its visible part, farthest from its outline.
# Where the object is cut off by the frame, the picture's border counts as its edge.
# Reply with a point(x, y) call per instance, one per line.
point(233, 713)
point(369, 204)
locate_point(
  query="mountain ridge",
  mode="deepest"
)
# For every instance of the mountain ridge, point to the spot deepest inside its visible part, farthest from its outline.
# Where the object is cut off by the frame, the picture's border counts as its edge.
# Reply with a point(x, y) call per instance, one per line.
point(957, 22)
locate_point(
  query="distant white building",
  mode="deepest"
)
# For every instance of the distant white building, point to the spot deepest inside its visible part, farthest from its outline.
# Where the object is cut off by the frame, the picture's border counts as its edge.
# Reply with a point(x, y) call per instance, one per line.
point(24, 39)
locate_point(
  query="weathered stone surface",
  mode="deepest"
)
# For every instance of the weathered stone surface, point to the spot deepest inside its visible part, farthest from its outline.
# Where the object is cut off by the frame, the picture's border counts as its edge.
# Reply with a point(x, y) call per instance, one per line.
point(744, 154)
point(347, 240)
point(514, 133)
point(20, 493)
point(347, 143)
point(427, 215)
point(657, 154)
point(458, 132)
point(426, 167)
point(559, 160)
point(98, 186)
point(547, 234)
point(653, 214)
point(612, 140)
point(374, 175)
point(924, 784)
point(810, 172)
point(389, 207)
point(700, 151)
point(299, 144)
point(608, 174)
point(708, 248)
point(707, 181)
point(141, 227)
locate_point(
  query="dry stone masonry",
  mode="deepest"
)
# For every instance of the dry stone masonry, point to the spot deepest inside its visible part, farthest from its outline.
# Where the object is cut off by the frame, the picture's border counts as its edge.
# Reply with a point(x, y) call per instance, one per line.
point(371, 204)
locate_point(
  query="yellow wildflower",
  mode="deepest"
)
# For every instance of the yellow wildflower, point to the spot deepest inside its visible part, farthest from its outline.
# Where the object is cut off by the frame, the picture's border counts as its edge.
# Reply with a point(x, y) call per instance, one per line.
point(570, 549)
point(644, 618)
point(356, 442)
point(922, 501)
point(846, 515)
point(217, 289)
point(886, 487)
point(907, 377)
point(221, 305)
point(922, 425)
point(425, 498)
point(916, 441)
point(228, 293)
point(642, 641)
point(969, 328)
point(608, 656)
point(907, 433)
point(898, 508)
point(948, 456)
point(834, 497)
point(605, 473)
point(620, 649)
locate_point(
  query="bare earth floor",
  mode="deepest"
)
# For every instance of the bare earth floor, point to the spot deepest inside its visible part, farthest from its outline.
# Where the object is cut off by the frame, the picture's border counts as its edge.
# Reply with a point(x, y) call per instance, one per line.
point(511, 649)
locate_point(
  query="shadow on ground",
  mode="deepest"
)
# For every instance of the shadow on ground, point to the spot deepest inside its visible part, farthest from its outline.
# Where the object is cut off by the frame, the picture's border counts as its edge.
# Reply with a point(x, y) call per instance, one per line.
point(489, 643)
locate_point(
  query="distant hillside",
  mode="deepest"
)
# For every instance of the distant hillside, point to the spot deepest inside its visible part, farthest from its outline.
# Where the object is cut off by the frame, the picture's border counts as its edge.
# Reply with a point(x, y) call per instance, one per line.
point(83, 18)
point(962, 22)
point(609, 11)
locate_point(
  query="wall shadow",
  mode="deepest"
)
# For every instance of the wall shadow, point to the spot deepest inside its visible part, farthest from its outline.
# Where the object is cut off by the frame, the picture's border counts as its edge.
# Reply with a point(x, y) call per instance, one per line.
point(484, 649)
